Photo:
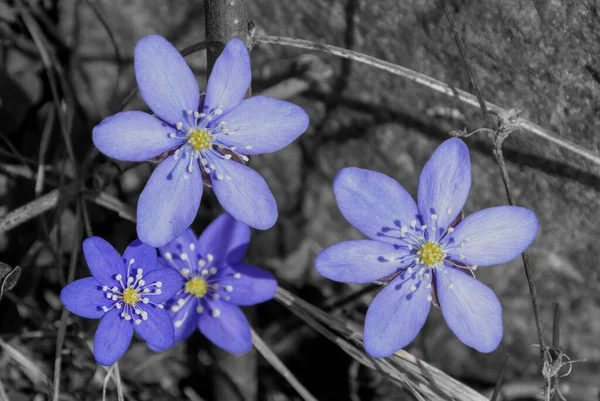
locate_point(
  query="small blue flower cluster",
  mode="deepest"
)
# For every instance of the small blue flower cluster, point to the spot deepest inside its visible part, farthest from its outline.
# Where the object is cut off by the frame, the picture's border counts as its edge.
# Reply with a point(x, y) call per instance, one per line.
point(169, 282)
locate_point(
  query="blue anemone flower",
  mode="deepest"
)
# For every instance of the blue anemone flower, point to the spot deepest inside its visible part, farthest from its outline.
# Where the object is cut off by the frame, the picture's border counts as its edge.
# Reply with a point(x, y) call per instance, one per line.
point(424, 252)
point(215, 283)
point(201, 138)
point(127, 293)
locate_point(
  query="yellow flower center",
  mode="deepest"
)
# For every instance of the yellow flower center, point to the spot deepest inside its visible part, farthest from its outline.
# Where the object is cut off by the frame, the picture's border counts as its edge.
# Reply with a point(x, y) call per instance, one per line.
point(130, 296)
point(431, 253)
point(196, 286)
point(200, 139)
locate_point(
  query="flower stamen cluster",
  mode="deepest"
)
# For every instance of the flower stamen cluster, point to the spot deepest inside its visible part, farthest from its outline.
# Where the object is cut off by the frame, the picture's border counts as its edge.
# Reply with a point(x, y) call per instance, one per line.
point(129, 294)
point(201, 284)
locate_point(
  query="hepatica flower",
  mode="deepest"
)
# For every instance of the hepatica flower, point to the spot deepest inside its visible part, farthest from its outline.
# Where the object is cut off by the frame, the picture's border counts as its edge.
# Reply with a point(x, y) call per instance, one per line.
point(201, 138)
point(215, 283)
point(127, 293)
point(426, 255)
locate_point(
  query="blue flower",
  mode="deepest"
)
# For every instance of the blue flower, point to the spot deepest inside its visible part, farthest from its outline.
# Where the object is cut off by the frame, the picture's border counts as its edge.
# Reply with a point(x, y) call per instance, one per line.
point(216, 282)
point(425, 254)
point(200, 138)
point(127, 293)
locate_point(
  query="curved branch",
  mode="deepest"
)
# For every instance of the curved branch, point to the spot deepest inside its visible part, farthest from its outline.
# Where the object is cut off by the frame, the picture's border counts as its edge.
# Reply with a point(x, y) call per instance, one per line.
point(432, 83)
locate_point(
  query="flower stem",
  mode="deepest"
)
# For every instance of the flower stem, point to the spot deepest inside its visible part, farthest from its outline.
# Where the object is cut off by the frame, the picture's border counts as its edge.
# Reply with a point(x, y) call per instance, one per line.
point(225, 20)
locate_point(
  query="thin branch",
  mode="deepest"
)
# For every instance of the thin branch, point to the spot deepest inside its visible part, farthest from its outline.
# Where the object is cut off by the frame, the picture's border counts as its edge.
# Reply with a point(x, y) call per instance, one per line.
point(113, 40)
point(62, 327)
point(279, 366)
point(500, 380)
point(472, 76)
point(431, 83)
point(55, 77)
point(38, 206)
point(44, 141)
point(498, 136)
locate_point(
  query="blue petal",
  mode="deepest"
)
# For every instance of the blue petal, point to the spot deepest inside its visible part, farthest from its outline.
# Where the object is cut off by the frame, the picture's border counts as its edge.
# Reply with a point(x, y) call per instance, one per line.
point(230, 78)
point(470, 309)
point(361, 261)
point(373, 203)
point(85, 298)
point(112, 338)
point(103, 260)
point(253, 287)
point(166, 82)
point(185, 319)
point(246, 196)
point(444, 184)
point(157, 330)
point(185, 243)
point(262, 125)
point(171, 282)
point(396, 315)
point(144, 257)
point(133, 136)
point(492, 236)
point(169, 202)
point(230, 330)
point(226, 239)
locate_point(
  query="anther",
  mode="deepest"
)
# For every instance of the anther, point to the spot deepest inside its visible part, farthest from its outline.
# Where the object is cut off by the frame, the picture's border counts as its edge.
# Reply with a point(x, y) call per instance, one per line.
point(237, 275)
point(413, 288)
point(199, 309)
point(213, 270)
point(201, 263)
point(192, 246)
point(210, 257)
point(216, 312)
point(168, 256)
point(228, 288)
point(179, 126)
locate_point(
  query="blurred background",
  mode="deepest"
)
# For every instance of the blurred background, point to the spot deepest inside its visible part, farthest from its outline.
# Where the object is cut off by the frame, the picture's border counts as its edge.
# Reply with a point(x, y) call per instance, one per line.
point(542, 57)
